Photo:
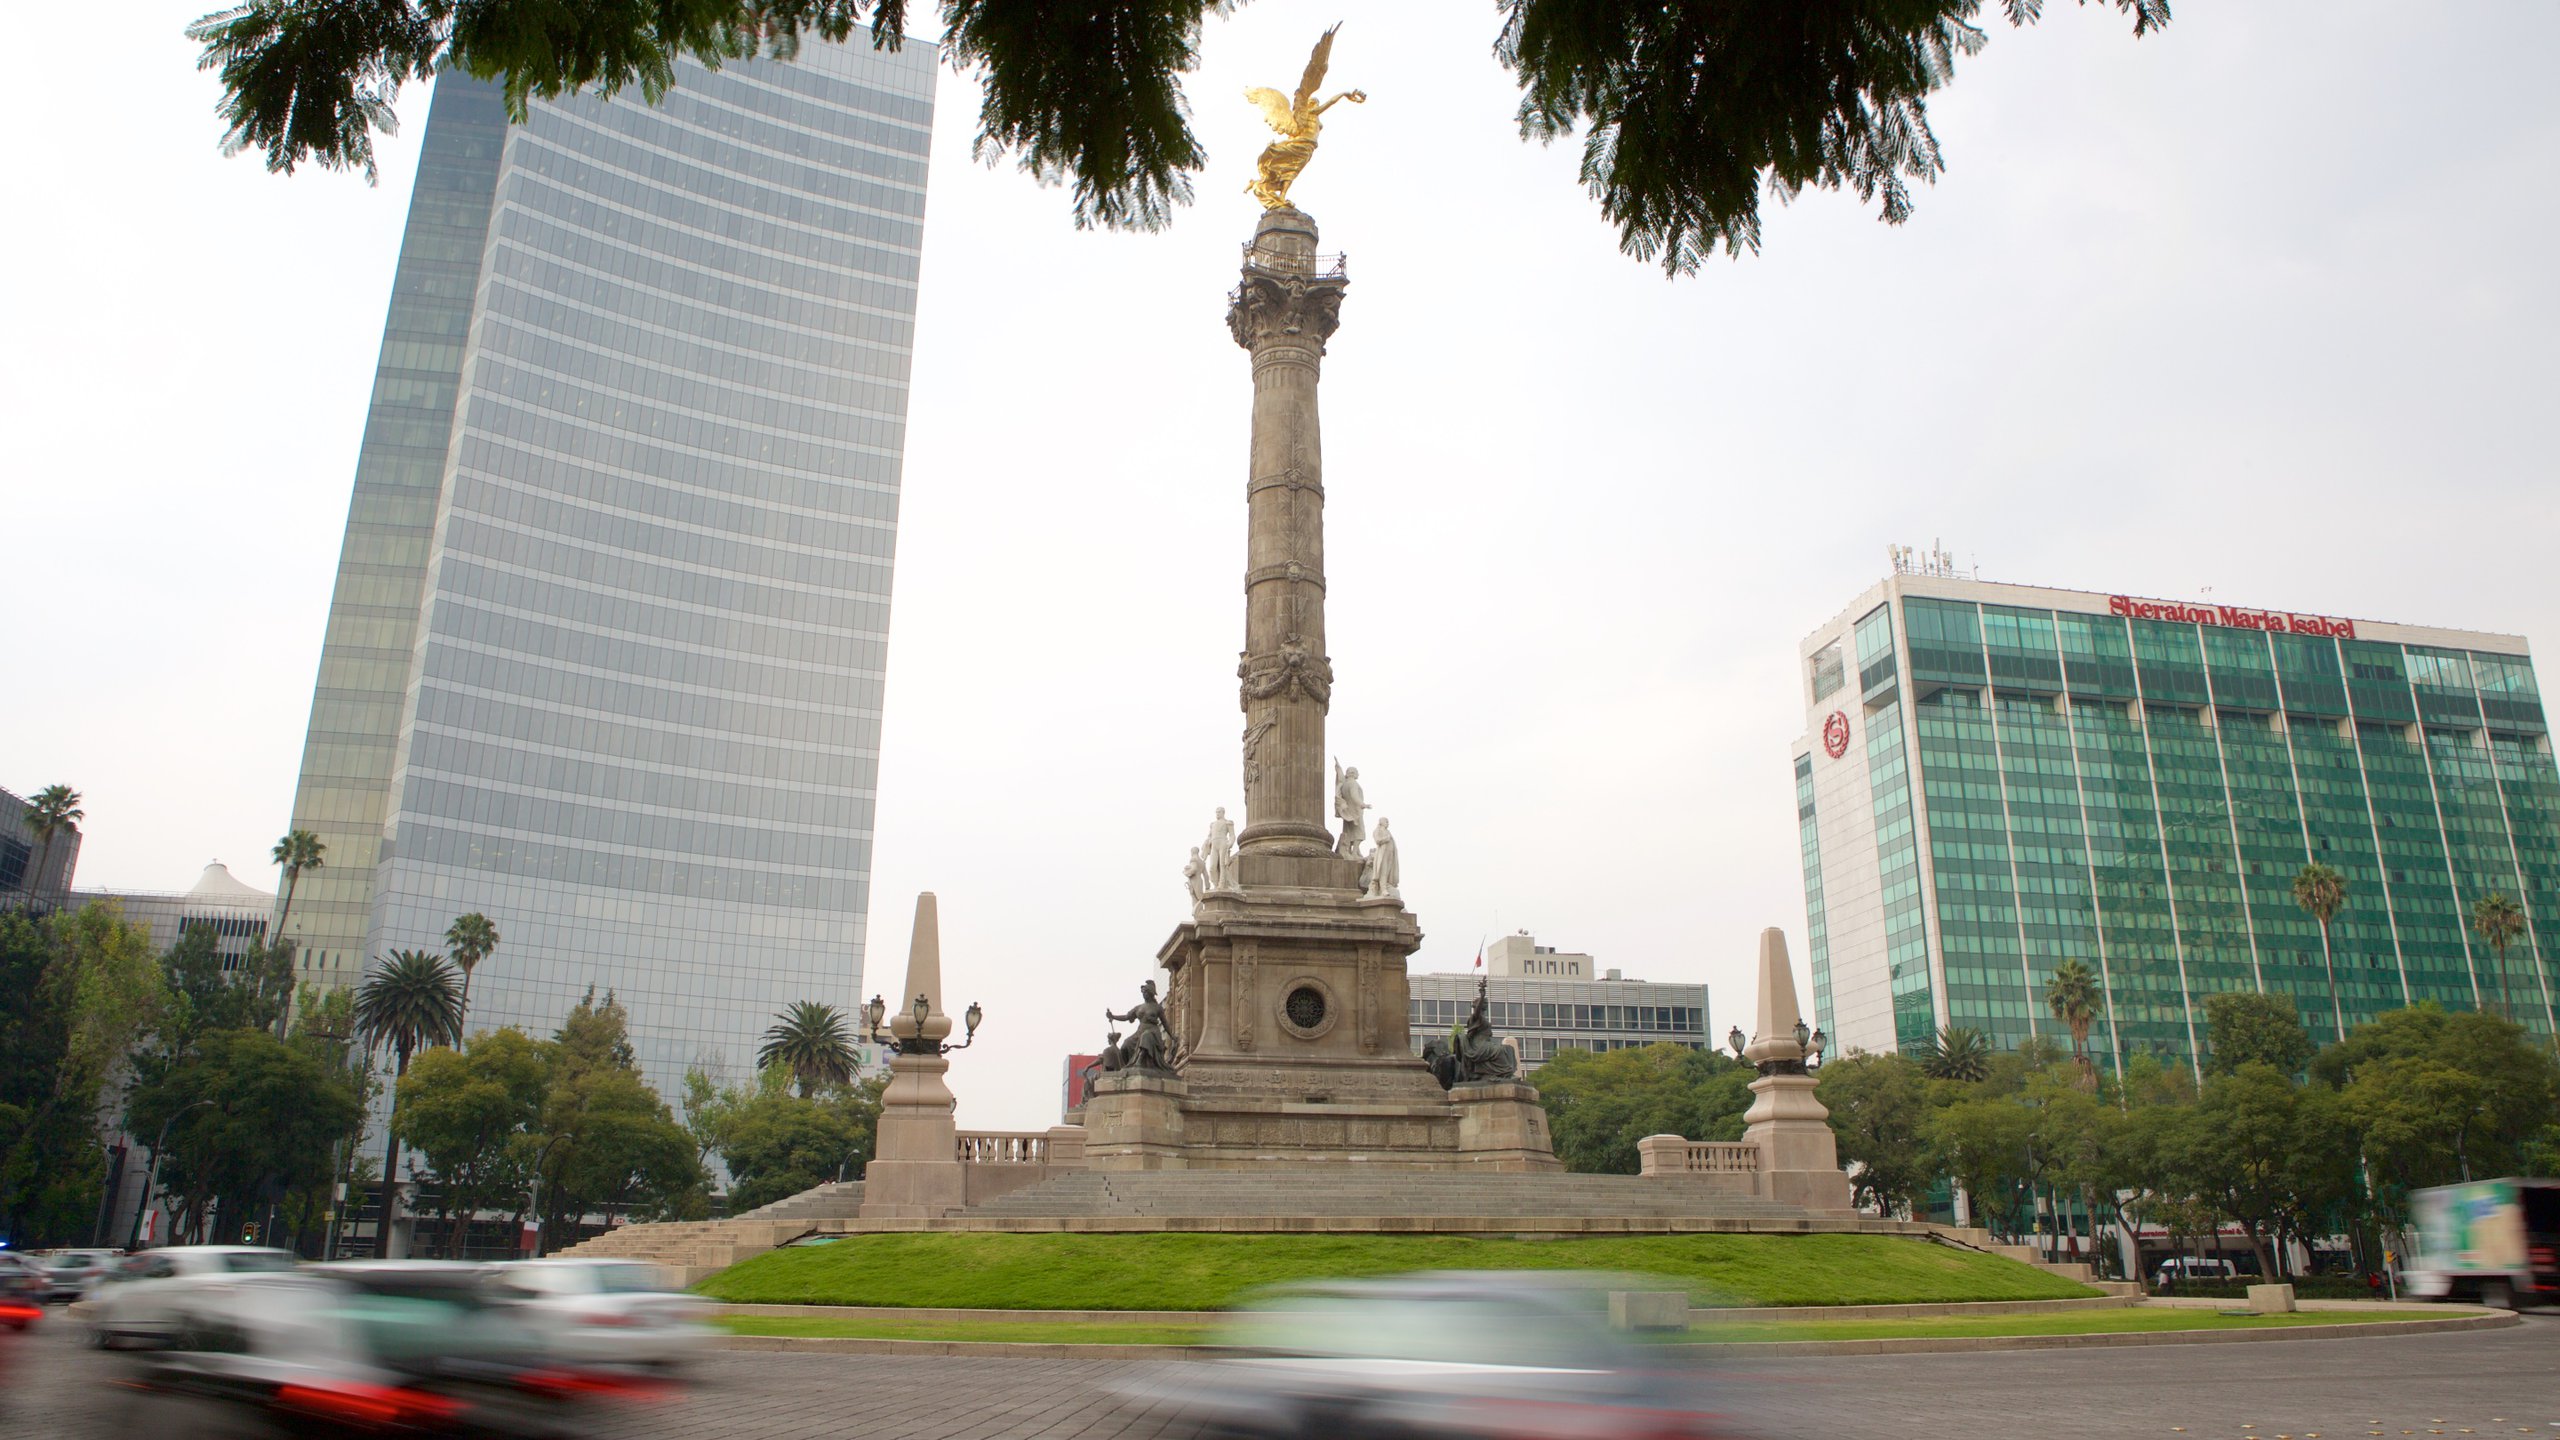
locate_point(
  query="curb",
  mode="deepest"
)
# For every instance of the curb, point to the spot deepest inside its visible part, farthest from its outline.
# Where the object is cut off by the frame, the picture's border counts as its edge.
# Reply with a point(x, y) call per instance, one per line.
point(846, 1345)
point(1763, 1349)
point(1971, 1344)
point(1710, 1314)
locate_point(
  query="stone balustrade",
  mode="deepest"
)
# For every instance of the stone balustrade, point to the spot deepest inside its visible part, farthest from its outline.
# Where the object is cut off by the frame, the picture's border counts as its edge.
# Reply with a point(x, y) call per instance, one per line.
point(1673, 1155)
point(996, 1162)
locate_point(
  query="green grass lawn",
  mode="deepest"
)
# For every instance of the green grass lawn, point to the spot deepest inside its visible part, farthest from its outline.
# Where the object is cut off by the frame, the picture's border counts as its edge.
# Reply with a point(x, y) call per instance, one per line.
point(2068, 1322)
point(1209, 1272)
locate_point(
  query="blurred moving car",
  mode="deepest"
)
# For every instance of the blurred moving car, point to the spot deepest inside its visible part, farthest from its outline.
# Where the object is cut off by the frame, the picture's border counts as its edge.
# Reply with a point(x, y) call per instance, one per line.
point(24, 1284)
point(1476, 1354)
point(129, 1303)
point(2179, 1268)
point(74, 1271)
point(391, 1347)
point(611, 1312)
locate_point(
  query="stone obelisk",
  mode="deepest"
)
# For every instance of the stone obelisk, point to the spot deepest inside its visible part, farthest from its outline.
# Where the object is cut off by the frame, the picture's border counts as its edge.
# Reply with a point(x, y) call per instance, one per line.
point(1287, 303)
point(915, 1170)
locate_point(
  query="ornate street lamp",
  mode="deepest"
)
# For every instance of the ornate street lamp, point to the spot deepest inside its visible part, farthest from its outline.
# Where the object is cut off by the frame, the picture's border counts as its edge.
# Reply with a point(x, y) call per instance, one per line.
point(875, 1015)
point(1736, 1041)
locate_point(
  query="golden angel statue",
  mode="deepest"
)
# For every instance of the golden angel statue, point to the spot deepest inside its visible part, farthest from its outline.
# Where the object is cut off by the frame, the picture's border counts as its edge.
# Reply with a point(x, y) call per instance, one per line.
point(1298, 123)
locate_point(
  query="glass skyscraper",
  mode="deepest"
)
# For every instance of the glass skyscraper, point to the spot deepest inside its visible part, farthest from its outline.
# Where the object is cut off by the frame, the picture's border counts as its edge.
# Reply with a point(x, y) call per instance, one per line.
point(1993, 778)
point(605, 656)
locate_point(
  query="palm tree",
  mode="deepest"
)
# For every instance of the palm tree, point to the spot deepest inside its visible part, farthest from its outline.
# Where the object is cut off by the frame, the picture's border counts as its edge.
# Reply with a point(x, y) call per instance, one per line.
point(2323, 891)
point(409, 1004)
point(298, 851)
point(2077, 1000)
point(811, 1039)
point(2500, 922)
point(1958, 1052)
point(471, 937)
point(56, 808)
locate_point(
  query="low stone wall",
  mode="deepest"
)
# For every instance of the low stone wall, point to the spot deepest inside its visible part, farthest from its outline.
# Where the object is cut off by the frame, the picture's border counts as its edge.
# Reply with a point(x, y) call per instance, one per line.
point(999, 1162)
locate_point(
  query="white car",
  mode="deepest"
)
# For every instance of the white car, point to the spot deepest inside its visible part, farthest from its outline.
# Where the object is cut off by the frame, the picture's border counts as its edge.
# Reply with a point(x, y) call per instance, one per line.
point(130, 1303)
point(611, 1312)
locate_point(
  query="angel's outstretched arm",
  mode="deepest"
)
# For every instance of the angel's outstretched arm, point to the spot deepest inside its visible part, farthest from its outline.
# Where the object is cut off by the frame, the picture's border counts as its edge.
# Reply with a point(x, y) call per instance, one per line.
point(1356, 97)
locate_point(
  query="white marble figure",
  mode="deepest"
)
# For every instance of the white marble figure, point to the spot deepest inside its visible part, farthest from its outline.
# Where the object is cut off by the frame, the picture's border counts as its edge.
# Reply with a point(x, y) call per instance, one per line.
point(1195, 875)
point(1348, 804)
point(1218, 854)
point(1380, 873)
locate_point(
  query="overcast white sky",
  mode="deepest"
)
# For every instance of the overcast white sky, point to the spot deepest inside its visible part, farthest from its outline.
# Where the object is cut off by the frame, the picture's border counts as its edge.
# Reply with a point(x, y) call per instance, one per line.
point(2263, 303)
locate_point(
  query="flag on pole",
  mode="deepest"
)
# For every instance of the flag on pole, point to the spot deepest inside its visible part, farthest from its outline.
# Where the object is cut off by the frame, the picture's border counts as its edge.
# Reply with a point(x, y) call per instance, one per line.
point(1479, 952)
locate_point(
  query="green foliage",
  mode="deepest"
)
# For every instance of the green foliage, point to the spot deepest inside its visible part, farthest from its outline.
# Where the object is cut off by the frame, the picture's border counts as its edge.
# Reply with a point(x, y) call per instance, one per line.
point(2321, 892)
point(813, 1043)
point(2245, 1027)
point(409, 1002)
point(276, 1118)
point(1209, 1272)
point(777, 1144)
point(1880, 1110)
point(613, 1146)
point(470, 939)
point(298, 851)
point(1959, 1052)
point(2437, 1095)
point(470, 1112)
point(80, 988)
point(204, 997)
point(2499, 922)
point(52, 810)
point(2076, 999)
point(1599, 1105)
point(1692, 111)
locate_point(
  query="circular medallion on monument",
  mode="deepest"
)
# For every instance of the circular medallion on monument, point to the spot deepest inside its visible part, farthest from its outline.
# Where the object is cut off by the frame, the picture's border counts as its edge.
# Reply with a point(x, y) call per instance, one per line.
point(1306, 1007)
point(1835, 735)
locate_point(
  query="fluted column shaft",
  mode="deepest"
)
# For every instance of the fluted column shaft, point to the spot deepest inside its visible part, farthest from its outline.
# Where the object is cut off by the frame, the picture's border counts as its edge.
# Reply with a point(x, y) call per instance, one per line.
point(1285, 306)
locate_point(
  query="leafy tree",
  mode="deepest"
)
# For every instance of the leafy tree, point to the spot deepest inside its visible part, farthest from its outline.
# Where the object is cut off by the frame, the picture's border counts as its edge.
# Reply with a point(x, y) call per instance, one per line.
point(82, 987)
point(612, 1143)
point(2248, 1027)
point(1691, 111)
point(276, 1119)
point(467, 1111)
point(2076, 999)
point(1599, 1105)
point(2321, 891)
point(204, 997)
point(813, 1043)
point(54, 809)
point(469, 939)
point(2266, 1153)
point(1959, 1052)
point(2438, 1096)
point(2499, 922)
point(1880, 1107)
point(298, 851)
point(409, 1003)
point(1986, 1144)
point(777, 1144)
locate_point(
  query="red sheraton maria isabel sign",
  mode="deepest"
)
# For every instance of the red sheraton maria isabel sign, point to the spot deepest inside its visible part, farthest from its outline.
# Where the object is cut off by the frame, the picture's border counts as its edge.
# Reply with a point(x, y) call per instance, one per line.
point(2279, 622)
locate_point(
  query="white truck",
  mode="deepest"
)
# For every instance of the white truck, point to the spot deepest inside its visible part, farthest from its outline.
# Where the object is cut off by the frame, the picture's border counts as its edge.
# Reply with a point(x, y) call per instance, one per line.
point(2496, 1242)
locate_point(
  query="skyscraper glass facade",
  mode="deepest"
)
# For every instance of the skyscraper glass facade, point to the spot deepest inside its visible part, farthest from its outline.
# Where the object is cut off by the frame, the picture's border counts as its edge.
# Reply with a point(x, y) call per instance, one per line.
point(636, 698)
point(2135, 785)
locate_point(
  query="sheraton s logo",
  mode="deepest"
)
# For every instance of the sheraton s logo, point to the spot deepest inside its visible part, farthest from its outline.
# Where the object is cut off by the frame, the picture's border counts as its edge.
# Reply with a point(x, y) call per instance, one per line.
point(2277, 622)
point(1835, 735)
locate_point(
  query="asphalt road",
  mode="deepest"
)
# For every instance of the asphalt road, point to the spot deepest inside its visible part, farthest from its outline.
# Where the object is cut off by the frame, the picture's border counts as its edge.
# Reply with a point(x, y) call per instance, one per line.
point(2484, 1383)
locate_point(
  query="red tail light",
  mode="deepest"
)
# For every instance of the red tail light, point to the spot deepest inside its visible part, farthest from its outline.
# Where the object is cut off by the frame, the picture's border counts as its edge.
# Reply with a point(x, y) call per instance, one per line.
point(377, 1405)
point(13, 1312)
point(592, 1384)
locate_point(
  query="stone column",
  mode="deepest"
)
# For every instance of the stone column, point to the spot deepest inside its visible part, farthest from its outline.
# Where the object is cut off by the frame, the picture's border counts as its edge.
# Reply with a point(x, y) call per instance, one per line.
point(915, 1168)
point(1799, 1160)
point(1286, 304)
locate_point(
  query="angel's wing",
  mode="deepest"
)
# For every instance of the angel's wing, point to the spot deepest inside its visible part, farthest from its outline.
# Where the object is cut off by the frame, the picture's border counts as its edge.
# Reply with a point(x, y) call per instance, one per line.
point(1275, 108)
point(1316, 62)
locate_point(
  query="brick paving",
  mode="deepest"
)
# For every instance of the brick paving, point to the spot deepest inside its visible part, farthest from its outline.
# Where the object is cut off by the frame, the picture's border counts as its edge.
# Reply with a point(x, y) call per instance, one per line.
point(2487, 1383)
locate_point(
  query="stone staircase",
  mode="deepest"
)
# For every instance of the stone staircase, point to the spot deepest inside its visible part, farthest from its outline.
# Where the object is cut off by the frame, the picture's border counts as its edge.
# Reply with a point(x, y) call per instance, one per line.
point(692, 1249)
point(1972, 1237)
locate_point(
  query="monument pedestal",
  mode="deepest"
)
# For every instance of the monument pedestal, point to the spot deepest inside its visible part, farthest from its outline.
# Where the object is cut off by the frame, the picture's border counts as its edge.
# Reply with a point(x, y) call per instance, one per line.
point(1501, 1126)
point(1799, 1159)
point(915, 1171)
point(1133, 1121)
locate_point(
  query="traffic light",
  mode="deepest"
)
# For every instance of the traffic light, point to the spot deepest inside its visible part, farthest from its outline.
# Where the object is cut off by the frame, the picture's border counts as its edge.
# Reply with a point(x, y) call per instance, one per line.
point(249, 1234)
